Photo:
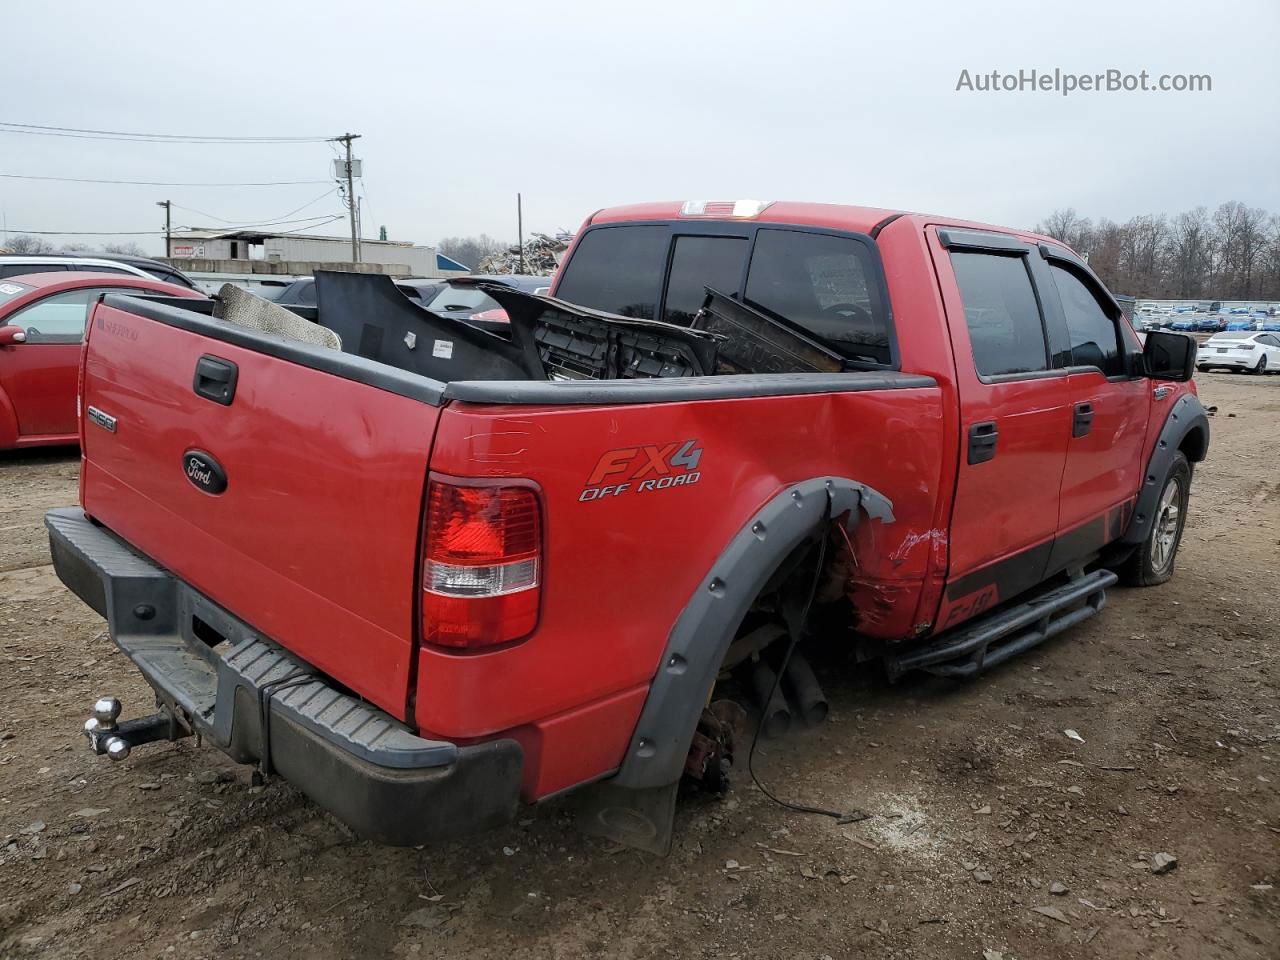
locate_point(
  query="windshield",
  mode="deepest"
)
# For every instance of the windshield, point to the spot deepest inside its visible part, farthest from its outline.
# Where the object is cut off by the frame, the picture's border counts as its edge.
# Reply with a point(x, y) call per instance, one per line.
point(11, 291)
point(1238, 335)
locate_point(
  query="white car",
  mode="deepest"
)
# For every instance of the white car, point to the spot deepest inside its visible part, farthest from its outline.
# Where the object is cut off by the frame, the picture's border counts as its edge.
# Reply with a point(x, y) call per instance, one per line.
point(1240, 350)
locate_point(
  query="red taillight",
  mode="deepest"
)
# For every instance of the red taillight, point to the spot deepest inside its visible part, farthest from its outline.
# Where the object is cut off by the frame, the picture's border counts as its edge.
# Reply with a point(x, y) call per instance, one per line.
point(482, 565)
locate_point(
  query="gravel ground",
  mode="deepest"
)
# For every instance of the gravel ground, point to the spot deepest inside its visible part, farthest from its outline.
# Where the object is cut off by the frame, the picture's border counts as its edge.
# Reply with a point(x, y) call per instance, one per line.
point(993, 834)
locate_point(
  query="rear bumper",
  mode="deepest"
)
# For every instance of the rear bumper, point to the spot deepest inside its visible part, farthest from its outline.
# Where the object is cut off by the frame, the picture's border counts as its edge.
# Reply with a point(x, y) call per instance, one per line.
point(222, 679)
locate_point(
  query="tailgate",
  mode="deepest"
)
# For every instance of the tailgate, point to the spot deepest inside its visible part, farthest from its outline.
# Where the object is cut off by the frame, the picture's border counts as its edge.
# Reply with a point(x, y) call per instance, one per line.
point(314, 539)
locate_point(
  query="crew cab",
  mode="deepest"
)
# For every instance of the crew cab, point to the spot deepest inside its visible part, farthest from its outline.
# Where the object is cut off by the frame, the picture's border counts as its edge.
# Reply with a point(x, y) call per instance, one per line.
point(428, 572)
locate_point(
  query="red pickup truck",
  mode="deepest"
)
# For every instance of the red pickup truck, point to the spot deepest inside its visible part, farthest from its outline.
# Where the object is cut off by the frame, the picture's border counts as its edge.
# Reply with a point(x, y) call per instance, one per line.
point(443, 570)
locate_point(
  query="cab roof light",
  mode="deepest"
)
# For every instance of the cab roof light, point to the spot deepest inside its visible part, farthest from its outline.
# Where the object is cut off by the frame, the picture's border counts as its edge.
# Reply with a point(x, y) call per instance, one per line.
point(740, 209)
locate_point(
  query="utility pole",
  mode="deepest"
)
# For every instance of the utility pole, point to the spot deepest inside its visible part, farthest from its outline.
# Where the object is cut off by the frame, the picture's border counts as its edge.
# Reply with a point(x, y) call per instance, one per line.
point(346, 139)
point(520, 229)
point(168, 233)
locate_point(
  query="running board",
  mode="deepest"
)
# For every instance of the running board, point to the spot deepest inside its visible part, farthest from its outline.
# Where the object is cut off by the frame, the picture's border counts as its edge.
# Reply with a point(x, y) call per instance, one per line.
point(971, 649)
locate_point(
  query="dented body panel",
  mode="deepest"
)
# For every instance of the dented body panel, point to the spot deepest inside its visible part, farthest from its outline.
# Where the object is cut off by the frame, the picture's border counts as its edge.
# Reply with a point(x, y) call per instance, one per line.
point(650, 473)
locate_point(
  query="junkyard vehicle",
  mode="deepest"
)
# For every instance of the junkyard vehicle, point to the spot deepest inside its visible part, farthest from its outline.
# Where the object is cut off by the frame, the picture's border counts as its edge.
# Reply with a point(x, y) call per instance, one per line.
point(302, 292)
point(42, 320)
point(1240, 350)
point(464, 299)
point(13, 265)
point(441, 571)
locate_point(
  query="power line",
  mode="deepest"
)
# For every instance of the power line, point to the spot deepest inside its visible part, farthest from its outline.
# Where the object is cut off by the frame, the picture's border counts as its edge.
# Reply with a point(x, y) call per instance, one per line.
point(327, 218)
point(211, 216)
point(35, 129)
point(161, 183)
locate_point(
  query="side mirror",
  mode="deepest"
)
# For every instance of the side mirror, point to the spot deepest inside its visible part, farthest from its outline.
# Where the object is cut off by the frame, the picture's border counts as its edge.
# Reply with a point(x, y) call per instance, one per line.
point(10, 335)
point(1169, 356)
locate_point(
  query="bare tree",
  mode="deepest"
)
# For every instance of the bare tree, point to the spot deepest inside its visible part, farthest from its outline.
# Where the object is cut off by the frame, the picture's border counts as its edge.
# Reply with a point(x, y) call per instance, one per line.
point(1230, 254)
point(1270, 266)
point(26, 244)
point(125, 249)
point(1190, 252)
point(1069, 227)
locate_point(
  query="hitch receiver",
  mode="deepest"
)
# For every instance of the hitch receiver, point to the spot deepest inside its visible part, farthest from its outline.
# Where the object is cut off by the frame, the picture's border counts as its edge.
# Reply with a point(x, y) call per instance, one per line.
point(117, 740)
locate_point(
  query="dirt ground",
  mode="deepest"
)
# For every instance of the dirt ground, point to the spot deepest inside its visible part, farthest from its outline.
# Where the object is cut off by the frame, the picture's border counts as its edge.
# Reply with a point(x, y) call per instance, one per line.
point(993, 833)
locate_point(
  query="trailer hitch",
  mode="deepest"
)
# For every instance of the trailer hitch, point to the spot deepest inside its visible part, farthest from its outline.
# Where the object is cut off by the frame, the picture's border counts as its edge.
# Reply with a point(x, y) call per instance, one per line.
point(116, 740)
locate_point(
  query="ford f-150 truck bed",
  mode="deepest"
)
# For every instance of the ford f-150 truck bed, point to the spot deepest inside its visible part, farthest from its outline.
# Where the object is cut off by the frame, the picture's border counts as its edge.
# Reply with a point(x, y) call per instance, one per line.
point(440, 570)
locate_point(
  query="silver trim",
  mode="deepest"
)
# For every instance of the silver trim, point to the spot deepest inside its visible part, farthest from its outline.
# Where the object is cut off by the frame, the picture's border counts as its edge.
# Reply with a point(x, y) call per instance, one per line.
point(101, 419)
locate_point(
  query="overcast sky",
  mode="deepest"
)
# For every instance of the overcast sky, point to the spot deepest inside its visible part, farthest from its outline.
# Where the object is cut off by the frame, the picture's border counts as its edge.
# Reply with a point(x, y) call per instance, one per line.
point(588, 104)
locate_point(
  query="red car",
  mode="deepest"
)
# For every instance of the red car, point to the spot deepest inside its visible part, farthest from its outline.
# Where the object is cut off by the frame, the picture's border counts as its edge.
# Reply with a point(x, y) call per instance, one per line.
point(442, 571)
point(42, 319)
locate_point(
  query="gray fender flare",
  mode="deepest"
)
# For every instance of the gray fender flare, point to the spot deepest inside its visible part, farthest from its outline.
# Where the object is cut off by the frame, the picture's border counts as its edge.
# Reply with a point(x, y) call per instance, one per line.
point(1188, 414)
point(701, 636)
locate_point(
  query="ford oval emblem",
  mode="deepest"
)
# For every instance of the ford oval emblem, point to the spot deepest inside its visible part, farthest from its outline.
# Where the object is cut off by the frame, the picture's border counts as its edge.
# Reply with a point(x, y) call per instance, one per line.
point(204, 472)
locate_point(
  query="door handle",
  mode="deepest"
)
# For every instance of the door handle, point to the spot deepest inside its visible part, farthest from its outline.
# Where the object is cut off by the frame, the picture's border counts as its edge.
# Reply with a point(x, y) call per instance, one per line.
point(982, 441)
point(215, 379)
point(1082, 423)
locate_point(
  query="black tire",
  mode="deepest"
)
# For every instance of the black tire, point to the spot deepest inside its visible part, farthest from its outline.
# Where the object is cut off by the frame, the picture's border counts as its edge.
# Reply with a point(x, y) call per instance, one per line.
point(1152, 563)
point(1260, 368)
point(1203, 369)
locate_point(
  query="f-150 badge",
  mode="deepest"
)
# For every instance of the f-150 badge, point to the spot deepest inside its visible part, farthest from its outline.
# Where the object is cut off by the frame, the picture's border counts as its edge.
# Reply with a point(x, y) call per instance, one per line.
point(643, 469)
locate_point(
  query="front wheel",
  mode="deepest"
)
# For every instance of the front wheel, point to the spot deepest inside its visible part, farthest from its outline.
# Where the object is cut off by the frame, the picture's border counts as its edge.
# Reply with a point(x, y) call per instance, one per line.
point(1152, 562)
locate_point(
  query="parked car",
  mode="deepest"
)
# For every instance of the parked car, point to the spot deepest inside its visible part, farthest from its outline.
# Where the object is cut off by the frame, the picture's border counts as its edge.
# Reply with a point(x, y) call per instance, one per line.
point(1185, 325)
point(444, 572)
point(463, 300)
point(12, 265)
point(1240, 350)
point(302, 292)
point(42, 320)
point(1212, 324)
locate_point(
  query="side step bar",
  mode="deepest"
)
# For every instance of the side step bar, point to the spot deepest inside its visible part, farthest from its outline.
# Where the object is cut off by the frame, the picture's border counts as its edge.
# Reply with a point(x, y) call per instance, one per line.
point(971, 649)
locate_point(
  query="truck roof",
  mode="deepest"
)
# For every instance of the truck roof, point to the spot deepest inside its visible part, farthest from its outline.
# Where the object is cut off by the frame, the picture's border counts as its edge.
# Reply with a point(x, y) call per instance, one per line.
point(839, 216)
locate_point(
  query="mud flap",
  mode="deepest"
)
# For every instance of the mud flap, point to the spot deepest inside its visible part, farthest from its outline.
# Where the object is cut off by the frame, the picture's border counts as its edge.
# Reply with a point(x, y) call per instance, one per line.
point(642, 818)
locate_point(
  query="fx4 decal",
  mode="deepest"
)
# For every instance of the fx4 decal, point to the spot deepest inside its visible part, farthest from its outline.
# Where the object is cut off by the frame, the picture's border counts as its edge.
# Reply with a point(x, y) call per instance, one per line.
point(643, 469)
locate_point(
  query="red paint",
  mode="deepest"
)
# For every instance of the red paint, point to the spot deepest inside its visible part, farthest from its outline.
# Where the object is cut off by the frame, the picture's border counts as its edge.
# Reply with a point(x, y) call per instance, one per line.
point(578, 745)
point(1104, 467)
point(315, 542)
point(38, 380)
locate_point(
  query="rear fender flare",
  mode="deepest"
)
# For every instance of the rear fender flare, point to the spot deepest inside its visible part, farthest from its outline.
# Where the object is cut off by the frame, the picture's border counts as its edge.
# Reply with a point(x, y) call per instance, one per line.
point(1187, 416)
point(701, 636)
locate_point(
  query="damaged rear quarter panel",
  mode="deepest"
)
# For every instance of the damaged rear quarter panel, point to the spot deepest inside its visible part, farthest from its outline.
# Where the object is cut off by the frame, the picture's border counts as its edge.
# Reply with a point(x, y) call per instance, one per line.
point(622, 563)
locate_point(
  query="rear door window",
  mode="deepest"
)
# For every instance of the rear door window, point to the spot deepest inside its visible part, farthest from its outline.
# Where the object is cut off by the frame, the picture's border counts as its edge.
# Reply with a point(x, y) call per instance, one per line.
point(22, 269)
point(95, 268)
point(1095, 337)
point(1006, 330)
point(824, 284)
point(618, 270)
point(698, 263)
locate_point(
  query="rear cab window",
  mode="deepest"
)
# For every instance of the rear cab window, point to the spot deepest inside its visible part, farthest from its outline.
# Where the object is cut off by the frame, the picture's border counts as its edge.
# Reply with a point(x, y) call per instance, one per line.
point(827, 284)
point(618, 270)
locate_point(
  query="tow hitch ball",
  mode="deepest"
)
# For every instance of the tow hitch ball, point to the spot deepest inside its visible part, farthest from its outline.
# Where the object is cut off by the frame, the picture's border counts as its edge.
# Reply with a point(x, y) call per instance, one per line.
point(116, 740)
